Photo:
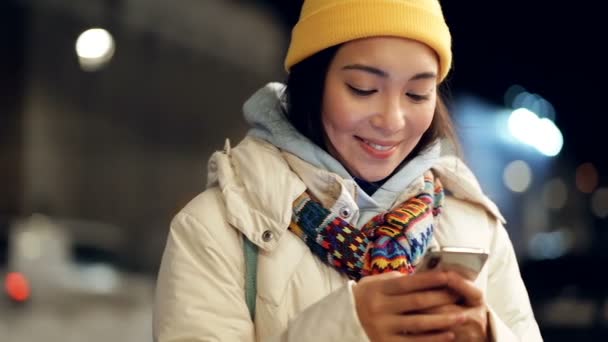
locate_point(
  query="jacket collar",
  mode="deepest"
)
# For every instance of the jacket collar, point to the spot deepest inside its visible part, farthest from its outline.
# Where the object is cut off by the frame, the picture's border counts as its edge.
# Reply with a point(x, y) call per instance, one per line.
point(458, 179)
point(258, 189)
point(259, 185)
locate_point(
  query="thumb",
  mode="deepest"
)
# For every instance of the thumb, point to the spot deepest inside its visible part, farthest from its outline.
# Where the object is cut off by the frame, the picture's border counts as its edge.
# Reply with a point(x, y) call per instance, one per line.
point(382, 276)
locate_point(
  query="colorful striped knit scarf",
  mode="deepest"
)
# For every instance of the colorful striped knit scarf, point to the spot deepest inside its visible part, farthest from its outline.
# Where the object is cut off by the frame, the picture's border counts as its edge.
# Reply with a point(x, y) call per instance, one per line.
point(391, 241)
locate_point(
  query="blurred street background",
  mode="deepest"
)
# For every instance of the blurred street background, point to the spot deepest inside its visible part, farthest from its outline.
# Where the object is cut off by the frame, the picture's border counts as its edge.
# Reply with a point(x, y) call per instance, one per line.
point(109, 110)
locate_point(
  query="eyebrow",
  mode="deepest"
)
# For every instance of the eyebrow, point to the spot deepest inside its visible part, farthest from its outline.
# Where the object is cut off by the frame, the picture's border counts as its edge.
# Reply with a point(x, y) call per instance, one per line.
point(384, 74)
point(366, 68)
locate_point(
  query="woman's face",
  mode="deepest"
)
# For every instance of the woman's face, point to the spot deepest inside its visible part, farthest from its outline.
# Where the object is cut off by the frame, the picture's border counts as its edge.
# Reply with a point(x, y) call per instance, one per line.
point(379, 98)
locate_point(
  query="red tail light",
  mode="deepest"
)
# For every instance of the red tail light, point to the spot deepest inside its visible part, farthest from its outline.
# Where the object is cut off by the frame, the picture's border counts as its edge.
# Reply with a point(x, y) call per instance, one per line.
point(17, 287)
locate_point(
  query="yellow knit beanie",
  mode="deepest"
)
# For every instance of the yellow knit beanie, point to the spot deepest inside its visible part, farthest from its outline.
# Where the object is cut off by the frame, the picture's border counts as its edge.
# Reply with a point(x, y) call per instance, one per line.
point(325, 23)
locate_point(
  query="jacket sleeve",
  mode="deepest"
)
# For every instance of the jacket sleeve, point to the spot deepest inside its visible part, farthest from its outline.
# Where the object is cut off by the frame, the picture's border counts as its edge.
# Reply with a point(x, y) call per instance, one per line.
point(200, 289)
point(313, 323)
point(200, 295)
point(511, 317)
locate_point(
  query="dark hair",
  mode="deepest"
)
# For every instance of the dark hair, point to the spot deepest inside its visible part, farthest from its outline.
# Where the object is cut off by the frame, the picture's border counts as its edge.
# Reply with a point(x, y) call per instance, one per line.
point(304, 95)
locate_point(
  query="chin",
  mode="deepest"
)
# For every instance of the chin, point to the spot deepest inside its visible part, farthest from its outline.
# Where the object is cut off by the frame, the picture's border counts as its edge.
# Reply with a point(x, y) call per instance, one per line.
point(373, 177)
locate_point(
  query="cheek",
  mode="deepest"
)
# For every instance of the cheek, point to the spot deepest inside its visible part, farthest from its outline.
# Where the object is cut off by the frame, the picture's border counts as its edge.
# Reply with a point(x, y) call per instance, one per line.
point(426, 121)
point(422, 122)
point(338, 114)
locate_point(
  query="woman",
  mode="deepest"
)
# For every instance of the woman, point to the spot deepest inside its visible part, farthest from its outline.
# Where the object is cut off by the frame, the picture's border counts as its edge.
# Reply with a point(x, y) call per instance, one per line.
point(350, 144)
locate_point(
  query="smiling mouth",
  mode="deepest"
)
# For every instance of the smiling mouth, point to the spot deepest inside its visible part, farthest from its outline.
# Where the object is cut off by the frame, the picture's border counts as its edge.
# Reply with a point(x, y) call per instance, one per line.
point(377, 147)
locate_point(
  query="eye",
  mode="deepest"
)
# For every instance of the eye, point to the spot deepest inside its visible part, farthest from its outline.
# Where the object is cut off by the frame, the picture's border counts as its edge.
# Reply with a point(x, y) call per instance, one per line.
point(417, 97)
point(361, 92)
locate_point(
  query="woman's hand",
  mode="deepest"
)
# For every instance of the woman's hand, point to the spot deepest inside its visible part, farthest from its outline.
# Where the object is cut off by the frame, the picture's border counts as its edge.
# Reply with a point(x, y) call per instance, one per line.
point(472, 304)
point(391, 307)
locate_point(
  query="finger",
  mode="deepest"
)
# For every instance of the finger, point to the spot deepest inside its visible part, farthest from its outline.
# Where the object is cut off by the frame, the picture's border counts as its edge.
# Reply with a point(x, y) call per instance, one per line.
point(445, 309)
point(466, 288)
point(421, 300)
point(415, 282)
point(423, 323)
point(431, 337)
point(381, 277)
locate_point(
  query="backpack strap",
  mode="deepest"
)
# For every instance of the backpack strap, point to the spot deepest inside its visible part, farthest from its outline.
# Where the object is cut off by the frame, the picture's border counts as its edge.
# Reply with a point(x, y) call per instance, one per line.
point(251, 265)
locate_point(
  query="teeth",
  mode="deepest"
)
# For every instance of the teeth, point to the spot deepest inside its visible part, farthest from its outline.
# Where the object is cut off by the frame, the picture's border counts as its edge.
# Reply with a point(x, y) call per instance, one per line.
point(378, 147)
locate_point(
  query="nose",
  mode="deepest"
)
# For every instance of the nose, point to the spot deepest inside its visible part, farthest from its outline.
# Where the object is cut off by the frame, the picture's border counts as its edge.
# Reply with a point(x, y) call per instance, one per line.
point(391, 117)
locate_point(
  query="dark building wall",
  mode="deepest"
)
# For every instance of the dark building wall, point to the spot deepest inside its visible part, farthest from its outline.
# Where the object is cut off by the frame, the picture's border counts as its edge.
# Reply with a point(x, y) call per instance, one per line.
point(127, 145)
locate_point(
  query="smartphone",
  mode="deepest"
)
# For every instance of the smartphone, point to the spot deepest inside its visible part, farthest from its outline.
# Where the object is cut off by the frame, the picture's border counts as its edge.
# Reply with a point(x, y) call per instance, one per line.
point(466, 261)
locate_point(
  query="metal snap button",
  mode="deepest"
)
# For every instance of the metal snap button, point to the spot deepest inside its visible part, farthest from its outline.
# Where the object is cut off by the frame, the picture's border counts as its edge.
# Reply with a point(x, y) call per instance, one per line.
point(345, 212)
point(267, 236)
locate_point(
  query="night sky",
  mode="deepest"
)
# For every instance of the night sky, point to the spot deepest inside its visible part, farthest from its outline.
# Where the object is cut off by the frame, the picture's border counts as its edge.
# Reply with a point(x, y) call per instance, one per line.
point(552, 49)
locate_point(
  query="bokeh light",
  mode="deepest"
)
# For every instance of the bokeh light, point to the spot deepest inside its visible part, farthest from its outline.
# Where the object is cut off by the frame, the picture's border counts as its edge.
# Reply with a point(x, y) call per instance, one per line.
point(531, 130)
point(17, 287)
point(587, 178)
point(94, 47)
point(599, 203)
point(517, 176)
point(550, 245)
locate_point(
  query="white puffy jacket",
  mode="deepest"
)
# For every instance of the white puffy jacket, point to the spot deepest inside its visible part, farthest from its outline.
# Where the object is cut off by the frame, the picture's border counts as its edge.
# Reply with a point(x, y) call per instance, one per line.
point(200, 293)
